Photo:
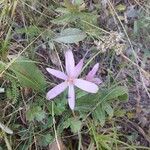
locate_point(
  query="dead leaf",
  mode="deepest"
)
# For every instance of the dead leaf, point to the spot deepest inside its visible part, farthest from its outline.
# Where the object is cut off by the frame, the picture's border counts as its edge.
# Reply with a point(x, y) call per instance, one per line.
point(54, 58)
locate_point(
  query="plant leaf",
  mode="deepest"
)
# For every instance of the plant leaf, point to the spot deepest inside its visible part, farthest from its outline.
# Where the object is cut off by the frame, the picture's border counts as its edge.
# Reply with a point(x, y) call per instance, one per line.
point(2, 66)
point(35, 112)
point(80, 93)
point(44, 140)
point(99, 114)
point(119, 92)
point(28, 74)
point(86, 102)
point(109, 110)
point(66, 18)
point(5, 128)
point(2, 90)
point(70, 35)
point(30, 31)
point(75, 125)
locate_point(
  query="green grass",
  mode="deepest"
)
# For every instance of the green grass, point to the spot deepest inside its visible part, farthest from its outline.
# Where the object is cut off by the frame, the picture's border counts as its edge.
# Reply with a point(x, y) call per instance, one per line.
point(29, 33)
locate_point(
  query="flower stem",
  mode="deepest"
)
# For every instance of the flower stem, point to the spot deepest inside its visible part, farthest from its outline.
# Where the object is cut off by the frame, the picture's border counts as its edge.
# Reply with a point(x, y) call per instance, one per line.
point(73, 114)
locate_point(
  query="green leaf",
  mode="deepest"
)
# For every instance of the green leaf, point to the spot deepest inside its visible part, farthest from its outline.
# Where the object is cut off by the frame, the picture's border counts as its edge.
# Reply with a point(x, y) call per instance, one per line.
point(105, 141)
point(35, 112)
point(99, 114)
point(85, 102)
point(121, 7)
point(70, 35)
point(78, 2)
point(66, 18)
point(28, 74)
point(44, 140)
point(63, 122)
point(80, 93)
point(48, 123)
point(120, 112)
point(62, 10)
point(30, 31)
point(109, 110)
point(59, 105)
point(119, 92)
point(4, 45)
point(66, 124)
point(75, 125)
point(2, 66)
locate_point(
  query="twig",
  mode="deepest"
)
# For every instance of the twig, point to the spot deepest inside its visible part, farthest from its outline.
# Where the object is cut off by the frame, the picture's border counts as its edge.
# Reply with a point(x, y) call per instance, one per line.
point(7, 142)
point(140, 130)
point(141, 69)
point(58, 145)
point(133, 52)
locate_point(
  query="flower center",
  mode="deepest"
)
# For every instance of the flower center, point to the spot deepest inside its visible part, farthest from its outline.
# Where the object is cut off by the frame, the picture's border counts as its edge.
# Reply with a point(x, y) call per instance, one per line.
point(70, 80)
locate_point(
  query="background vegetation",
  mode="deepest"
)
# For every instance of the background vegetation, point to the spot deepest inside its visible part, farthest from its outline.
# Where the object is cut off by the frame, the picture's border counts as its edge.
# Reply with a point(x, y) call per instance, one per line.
point(34, 35)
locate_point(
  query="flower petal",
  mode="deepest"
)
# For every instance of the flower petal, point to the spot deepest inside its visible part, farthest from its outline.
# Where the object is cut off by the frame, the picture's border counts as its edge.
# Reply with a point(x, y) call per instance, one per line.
point(92, 73)
point(97, 81)
point(57, 73)
point(86, 85)
point(70, 64)
point(78, 68)
point(56, 90)
point(71, 96)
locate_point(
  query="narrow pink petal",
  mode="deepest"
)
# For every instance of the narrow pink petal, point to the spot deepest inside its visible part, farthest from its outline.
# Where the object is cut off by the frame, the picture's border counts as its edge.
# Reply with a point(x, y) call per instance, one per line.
point(70, 64)
point(78, 68)
point(57, 73)
point(86, 85)
point(71, 96)
point(56, 90)
point(92, 73)
point(97, 81)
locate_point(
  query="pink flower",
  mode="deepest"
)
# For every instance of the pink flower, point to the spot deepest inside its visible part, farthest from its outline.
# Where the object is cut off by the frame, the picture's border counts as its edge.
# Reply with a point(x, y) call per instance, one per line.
point(70, 80)
point(91, 75)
